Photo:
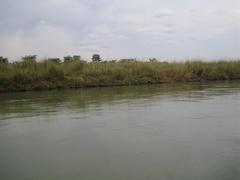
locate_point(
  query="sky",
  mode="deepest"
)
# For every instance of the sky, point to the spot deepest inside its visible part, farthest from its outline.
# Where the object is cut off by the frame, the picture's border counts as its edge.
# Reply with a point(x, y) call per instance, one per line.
point(170, 30)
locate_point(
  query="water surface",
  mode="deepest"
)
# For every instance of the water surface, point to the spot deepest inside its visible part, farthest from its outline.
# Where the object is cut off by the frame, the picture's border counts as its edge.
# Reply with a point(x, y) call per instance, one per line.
point(157, 132)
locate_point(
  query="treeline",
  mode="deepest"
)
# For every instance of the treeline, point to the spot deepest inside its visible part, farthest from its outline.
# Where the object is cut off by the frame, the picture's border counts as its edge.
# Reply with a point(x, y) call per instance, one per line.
point(66, 59)
point(72, 72)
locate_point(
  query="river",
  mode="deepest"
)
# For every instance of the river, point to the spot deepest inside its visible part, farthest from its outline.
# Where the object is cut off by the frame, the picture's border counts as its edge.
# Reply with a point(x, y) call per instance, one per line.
point(156, 132)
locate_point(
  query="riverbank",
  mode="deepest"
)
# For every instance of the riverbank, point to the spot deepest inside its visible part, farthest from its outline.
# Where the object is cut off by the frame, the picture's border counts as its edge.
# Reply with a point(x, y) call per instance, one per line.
point(44, 75)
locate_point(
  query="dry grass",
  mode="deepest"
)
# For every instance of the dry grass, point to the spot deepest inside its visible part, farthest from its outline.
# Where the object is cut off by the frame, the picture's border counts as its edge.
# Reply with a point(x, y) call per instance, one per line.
point(34, 75)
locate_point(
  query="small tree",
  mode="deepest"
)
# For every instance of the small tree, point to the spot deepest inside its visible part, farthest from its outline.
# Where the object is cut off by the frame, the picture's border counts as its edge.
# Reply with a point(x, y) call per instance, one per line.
point(55, 60)
point(76, 58)
point(68, 59)
point(128, 60)
point(153, 60)
point(29, 58)
point(3, 60)
point(96, 58)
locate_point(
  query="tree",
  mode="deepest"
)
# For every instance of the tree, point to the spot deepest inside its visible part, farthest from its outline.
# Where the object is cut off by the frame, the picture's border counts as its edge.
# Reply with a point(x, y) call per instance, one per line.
point(68, 59)
point(153, 60)
point(3, 60)
point(128, 60)
point(29, 58)
point(76, 58)
point(55, 60)
point(96, 58)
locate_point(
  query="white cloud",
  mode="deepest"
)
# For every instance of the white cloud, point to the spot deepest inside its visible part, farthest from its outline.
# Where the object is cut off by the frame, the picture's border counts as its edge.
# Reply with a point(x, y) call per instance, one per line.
point(44, 40)
point(138, 28)
point(164, 12)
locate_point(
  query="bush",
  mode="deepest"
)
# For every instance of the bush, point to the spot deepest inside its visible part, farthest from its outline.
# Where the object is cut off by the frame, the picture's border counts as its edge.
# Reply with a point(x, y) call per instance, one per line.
point(54, 73)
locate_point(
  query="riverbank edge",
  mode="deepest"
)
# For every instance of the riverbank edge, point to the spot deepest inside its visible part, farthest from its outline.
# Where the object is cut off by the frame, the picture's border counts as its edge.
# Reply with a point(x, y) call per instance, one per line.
point(62, 86)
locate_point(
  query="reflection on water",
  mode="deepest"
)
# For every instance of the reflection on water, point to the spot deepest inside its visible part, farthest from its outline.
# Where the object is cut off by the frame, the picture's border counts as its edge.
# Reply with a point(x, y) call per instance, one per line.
point(32, 103)
point(176, 131)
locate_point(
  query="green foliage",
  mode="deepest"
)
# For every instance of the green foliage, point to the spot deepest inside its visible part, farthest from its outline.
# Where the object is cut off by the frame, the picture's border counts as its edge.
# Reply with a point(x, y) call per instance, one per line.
point(74, 68)
point(29, 58)
point(76, 58)
point(67, 59)
point(3, 60)
point(153, 60)
point(128, 60)
point(50, 74)
point(54, 60)
point(96, 58)
point(54, 73)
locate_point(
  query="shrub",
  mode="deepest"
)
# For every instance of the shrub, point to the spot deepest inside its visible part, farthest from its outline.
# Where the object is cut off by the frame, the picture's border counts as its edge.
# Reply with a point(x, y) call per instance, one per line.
point(54, 73)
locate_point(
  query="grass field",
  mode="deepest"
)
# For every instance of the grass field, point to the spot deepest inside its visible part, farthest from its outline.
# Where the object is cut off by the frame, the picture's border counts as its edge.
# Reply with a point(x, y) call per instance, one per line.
point(32, 75)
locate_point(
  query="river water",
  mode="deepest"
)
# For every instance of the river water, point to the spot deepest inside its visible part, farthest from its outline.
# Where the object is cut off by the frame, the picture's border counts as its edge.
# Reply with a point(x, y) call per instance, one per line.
point(156, 132)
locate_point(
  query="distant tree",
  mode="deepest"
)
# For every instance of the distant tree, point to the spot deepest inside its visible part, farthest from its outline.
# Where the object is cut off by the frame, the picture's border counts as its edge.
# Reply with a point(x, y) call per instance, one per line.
point(3, 60)
point(76, 58)
point(29, 58)
point(152, 59)
point(96, 58)
point(68, 59)
point(55, 60)
point(128, 60)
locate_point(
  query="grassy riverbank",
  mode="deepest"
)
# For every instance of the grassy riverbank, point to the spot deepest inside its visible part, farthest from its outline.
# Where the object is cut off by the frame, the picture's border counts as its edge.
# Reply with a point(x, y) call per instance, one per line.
point(21, 76)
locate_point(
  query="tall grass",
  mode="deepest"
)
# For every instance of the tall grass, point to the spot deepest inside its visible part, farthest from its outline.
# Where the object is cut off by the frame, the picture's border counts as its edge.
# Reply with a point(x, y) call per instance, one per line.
point(32, 75)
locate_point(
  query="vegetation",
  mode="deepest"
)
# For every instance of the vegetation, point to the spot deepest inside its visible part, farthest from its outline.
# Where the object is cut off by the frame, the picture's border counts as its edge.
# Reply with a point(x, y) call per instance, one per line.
point(96, 58)
point(54, 60)
point(68, 59)
point(29, 74)
point(3, 60)
point(29, 58)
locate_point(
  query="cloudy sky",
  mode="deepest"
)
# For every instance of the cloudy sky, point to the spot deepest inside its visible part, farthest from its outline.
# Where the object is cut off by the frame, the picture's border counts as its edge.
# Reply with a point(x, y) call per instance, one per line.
point(173, 29)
